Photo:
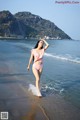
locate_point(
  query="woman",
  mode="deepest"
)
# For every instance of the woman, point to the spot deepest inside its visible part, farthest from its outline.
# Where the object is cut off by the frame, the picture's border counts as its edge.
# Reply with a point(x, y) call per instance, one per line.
point(37, 55)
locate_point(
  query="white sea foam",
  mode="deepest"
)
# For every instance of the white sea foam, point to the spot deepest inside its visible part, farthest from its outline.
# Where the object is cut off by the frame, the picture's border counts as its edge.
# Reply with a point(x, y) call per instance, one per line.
point(52, 89)
point(66, 57)
point(34, 90)
point(61, 90)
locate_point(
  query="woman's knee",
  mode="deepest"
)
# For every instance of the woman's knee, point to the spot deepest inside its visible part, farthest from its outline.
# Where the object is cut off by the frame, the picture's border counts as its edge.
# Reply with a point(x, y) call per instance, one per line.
point(38, 79)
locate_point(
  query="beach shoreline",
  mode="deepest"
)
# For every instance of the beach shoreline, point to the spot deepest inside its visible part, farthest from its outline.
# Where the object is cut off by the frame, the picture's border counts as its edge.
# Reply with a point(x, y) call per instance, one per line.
point(20, 103)
point(23, 105)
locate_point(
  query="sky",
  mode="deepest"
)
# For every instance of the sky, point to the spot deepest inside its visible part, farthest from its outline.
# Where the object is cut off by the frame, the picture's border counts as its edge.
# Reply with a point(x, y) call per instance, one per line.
point(65, 16)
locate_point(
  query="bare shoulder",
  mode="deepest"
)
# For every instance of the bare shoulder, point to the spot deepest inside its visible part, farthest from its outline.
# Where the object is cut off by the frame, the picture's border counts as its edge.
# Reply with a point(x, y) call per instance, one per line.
point(32, 51)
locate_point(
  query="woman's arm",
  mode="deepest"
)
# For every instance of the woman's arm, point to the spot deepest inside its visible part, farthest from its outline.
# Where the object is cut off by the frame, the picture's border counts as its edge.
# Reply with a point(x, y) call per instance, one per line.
point(30, 61)
point(47, 45)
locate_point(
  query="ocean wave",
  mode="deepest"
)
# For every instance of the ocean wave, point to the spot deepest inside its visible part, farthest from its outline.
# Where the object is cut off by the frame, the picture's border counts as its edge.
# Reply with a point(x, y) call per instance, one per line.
point(66, 57)
point(47, 89)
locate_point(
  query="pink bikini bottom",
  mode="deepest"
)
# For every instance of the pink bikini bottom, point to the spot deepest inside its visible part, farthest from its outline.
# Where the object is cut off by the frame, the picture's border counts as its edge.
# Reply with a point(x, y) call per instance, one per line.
point(38, 66)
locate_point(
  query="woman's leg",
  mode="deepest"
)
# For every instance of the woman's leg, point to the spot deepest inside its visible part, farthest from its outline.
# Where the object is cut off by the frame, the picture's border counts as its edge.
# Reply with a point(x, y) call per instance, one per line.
point(37, 76)
point(40, 72)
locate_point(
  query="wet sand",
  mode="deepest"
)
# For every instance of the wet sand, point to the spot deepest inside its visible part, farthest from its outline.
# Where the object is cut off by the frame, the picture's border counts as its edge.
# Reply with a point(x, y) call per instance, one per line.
point(22, 105)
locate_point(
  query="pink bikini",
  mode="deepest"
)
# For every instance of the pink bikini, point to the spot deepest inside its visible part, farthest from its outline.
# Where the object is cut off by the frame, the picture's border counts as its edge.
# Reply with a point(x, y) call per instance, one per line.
point(38, 56)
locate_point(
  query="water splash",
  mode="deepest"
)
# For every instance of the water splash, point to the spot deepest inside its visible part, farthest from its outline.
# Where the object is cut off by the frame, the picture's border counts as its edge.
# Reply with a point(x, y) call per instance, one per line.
point(34, 90)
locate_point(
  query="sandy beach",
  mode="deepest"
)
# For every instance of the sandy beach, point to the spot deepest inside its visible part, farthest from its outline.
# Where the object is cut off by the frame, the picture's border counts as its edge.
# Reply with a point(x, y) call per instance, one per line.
point(22, 105)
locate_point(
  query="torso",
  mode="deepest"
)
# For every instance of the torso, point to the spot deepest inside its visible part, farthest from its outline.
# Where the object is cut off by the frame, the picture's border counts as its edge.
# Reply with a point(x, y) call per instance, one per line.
point(38, 55)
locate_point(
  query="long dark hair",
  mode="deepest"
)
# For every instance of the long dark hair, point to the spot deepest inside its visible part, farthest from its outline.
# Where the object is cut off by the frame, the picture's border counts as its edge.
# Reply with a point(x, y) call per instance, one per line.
point(37, 46)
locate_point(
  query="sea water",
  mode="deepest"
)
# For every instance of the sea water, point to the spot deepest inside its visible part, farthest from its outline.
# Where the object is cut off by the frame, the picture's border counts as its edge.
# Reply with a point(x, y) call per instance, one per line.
point(61, 70)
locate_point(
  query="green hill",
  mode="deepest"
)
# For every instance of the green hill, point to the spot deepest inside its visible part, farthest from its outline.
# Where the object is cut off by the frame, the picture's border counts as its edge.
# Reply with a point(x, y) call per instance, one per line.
point(25, 24)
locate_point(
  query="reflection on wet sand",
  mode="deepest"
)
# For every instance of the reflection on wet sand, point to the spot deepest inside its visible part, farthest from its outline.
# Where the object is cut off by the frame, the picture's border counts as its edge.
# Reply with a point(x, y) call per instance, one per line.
point(36, 112)
point(31, 115)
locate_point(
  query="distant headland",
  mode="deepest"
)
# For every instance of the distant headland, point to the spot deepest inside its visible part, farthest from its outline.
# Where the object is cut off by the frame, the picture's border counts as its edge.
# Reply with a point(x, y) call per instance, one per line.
point(23, 25)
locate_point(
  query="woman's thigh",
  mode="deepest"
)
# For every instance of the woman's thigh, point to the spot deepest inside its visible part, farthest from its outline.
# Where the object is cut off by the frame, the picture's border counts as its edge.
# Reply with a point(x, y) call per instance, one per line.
point(40, 72)
point(36, 73)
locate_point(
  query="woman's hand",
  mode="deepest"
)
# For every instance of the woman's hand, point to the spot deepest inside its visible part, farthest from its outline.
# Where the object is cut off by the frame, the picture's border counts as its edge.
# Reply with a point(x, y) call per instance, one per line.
point(47, 45)
point(28, 67)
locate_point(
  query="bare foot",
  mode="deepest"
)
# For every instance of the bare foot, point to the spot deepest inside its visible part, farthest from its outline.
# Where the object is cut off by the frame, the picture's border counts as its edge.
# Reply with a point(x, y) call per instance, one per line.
point(40, 96)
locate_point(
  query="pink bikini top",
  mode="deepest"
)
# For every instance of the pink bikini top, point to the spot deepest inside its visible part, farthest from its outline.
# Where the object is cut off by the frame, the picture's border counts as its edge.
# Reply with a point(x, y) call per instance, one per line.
point(37, 55)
